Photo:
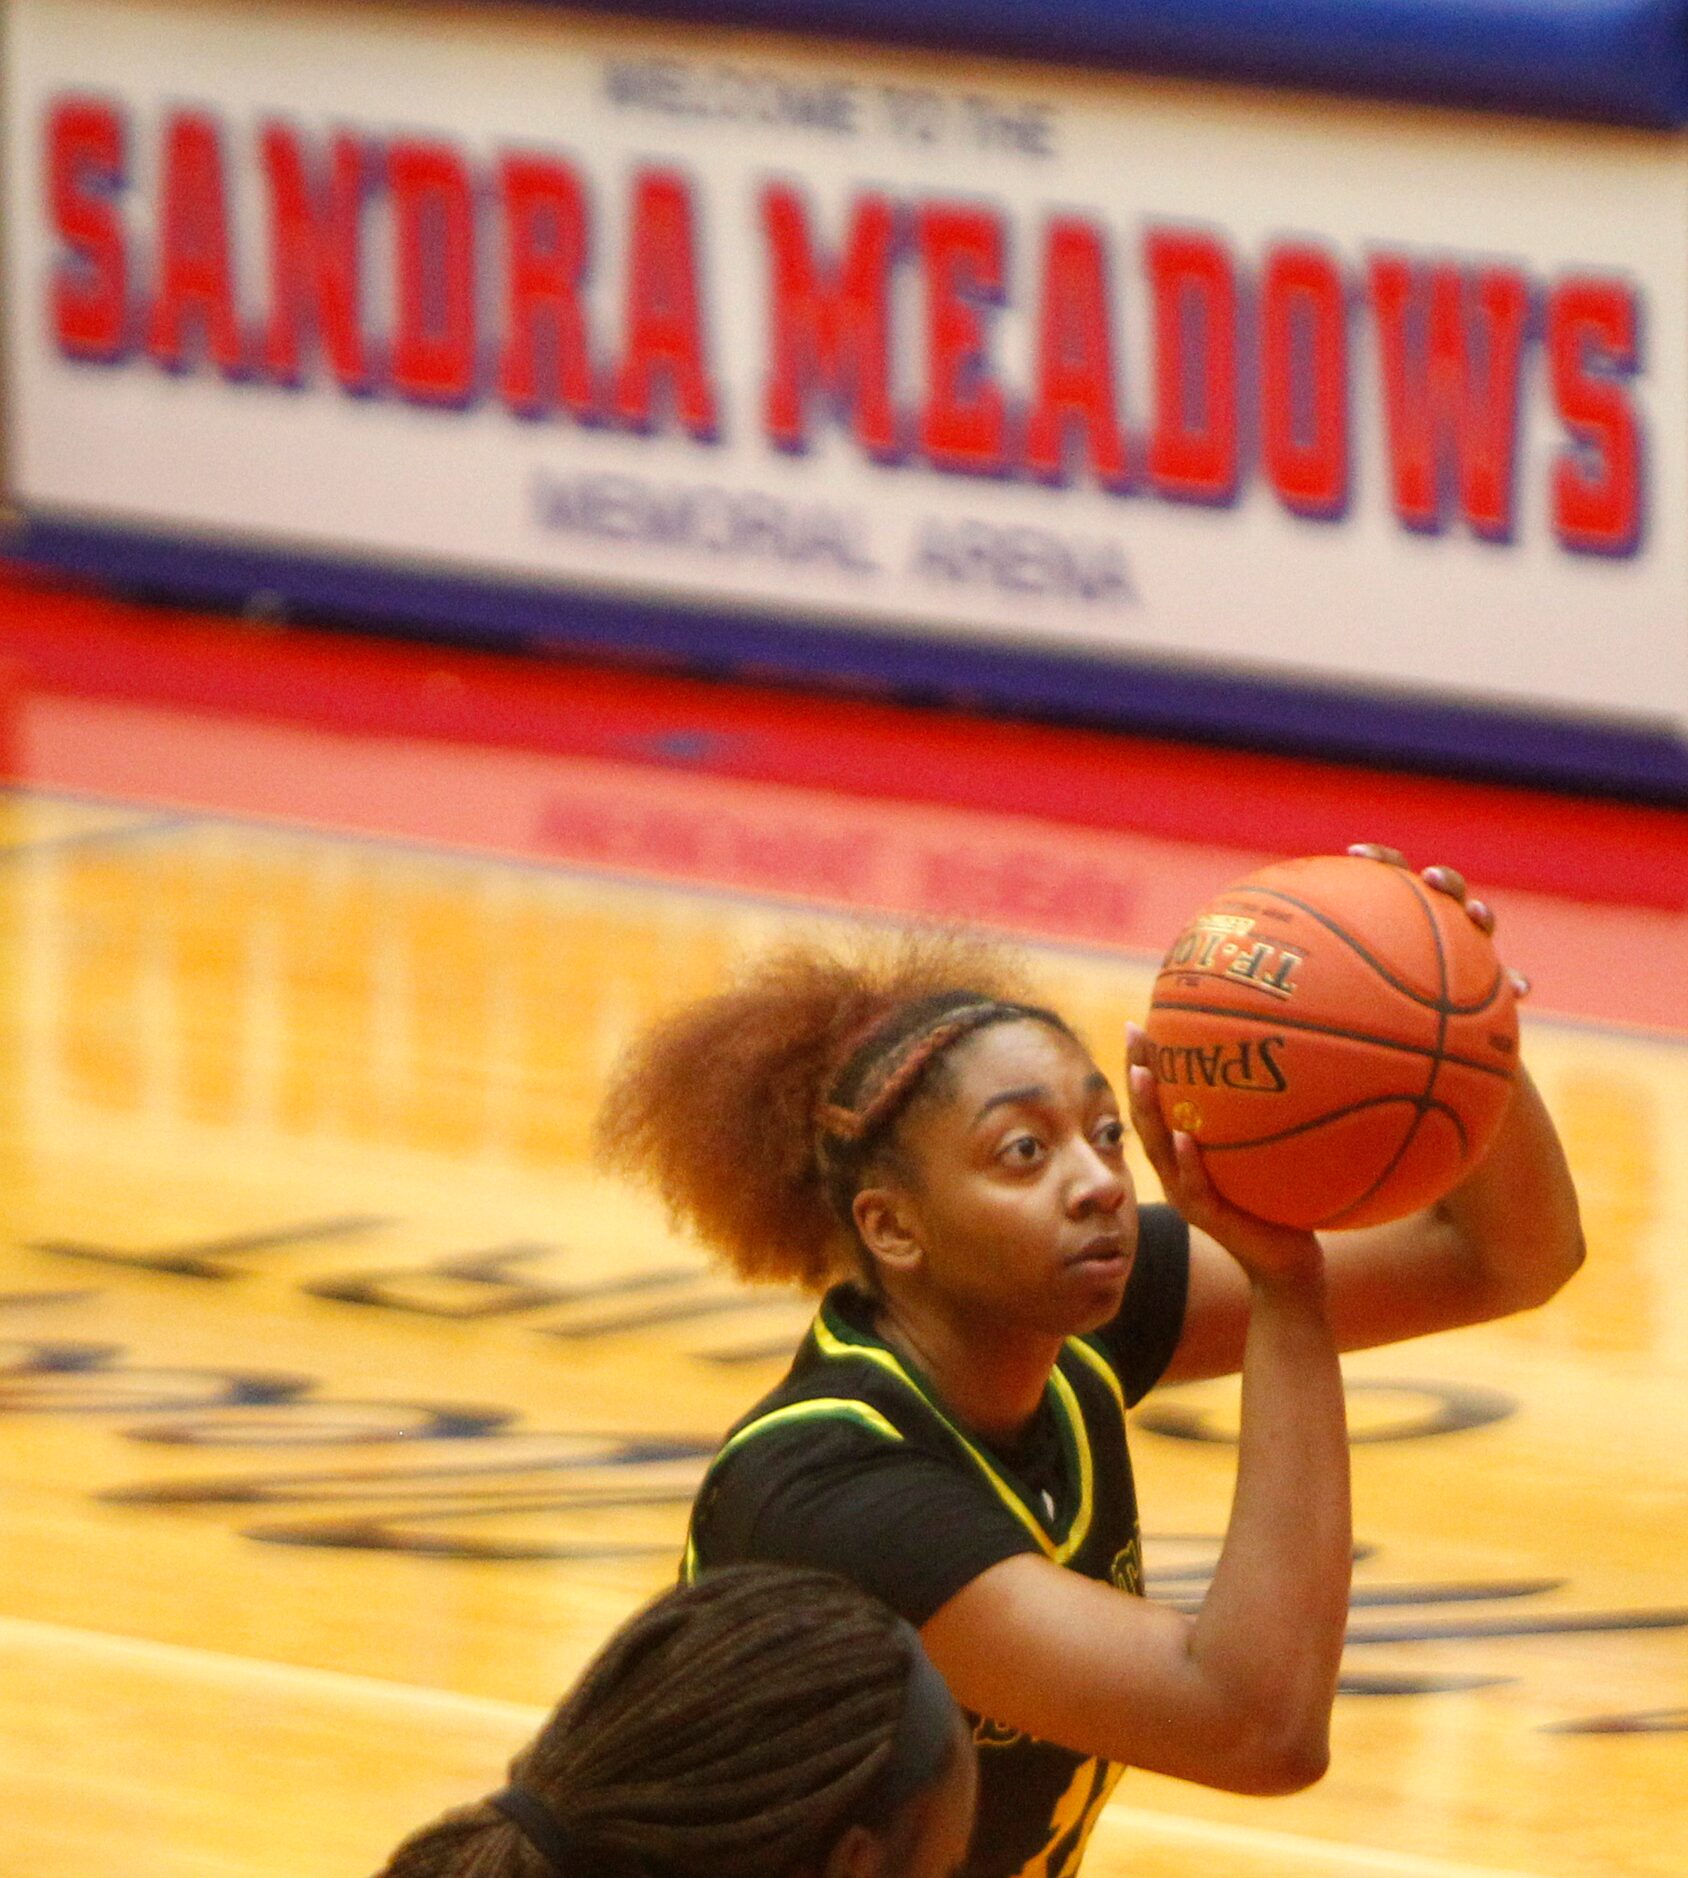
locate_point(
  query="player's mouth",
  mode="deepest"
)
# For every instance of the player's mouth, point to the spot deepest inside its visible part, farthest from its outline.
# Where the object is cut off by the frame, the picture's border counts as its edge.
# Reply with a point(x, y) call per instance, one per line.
point(1103, 1256)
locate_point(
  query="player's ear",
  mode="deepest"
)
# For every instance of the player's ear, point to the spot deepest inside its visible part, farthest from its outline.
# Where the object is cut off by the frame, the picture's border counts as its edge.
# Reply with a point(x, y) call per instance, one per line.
point(858, 1854)
point(887, 1230)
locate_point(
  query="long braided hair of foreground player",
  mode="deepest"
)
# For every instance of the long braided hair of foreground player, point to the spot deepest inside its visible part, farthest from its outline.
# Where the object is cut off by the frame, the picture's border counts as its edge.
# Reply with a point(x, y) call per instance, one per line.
point(753, 1723)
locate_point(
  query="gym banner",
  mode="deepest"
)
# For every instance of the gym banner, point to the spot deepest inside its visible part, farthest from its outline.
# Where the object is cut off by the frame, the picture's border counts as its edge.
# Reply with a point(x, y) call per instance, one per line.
point(988, 354)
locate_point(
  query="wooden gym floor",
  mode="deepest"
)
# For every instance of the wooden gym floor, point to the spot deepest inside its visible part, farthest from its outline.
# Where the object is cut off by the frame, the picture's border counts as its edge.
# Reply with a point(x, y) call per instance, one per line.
point(345, 1408)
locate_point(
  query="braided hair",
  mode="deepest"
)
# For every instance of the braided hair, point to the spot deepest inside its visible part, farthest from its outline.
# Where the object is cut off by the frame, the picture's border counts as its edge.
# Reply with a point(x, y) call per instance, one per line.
point(758, 1114)
point(739, 1724)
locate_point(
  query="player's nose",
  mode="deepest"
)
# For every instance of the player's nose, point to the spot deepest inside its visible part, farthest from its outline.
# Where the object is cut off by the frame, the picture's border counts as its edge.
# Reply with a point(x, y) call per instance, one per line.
point(1096, 1184)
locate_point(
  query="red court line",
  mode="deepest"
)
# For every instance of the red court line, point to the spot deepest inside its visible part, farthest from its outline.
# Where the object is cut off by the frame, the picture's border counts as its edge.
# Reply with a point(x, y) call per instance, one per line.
point(60, 639)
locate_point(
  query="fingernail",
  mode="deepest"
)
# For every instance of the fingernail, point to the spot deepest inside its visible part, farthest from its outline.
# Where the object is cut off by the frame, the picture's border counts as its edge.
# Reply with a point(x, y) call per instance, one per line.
point(1480, 914)
point(1447, 880)
point(1376, 851)
point(1520, 984)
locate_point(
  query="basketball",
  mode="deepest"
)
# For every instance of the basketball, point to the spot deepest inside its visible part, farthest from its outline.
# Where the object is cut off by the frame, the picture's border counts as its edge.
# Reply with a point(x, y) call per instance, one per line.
point(1339, 1037)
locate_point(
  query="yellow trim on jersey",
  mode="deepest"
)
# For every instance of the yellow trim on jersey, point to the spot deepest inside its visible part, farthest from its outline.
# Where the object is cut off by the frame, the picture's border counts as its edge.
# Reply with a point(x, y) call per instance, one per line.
point(829, 1407)
point(1074, 1818)
point(831, 1344)
point(1089, 1354)
point(835, 1407)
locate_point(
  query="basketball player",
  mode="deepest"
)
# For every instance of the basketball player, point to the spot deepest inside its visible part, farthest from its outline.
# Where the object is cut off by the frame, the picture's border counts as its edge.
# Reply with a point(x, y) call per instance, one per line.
point(943, 1153)
point(762, 1722)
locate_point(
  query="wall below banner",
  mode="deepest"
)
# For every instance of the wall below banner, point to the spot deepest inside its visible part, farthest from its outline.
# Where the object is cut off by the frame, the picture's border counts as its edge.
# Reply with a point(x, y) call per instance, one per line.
point(1304, 422)
point(1424, 733)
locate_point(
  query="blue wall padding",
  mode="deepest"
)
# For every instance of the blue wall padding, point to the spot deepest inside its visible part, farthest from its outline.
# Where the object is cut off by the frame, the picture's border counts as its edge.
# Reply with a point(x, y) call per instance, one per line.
point(1624, 61)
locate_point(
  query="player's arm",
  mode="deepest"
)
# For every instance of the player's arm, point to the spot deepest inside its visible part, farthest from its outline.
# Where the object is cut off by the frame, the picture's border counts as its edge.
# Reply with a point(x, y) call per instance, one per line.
point(1506, 1239)
point(1239, 1695)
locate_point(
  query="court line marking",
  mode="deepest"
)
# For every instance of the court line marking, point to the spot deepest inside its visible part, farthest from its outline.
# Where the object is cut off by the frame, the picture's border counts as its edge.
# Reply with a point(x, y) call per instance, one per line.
point(221, 1666)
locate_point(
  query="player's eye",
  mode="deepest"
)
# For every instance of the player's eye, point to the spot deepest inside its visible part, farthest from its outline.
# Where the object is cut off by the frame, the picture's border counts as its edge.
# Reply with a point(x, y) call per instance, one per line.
point(1021, 1151)
point(1110, 1135)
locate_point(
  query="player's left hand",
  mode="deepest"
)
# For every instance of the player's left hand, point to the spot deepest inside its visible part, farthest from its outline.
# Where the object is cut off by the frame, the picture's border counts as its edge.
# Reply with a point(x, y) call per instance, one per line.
point(1448, 880)
point(1266, 1252)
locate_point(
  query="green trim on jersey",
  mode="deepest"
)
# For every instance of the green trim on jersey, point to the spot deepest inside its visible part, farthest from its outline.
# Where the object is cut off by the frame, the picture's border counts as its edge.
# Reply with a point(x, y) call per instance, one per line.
point(1088, 1353)
point(837, 1339)
point(840, 1408)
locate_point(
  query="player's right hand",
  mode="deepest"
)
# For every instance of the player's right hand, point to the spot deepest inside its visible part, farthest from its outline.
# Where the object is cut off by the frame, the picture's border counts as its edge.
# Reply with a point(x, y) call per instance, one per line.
point(1267, 1253)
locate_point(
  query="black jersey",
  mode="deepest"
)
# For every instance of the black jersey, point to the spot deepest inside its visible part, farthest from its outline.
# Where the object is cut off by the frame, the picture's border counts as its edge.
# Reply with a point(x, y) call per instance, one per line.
point(851, 1465)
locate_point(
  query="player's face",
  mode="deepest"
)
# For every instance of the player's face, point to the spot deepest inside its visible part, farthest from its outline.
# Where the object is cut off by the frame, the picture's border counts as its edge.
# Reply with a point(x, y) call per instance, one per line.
point(1022, 1206)
point(944, 1814)
point(930, 1837)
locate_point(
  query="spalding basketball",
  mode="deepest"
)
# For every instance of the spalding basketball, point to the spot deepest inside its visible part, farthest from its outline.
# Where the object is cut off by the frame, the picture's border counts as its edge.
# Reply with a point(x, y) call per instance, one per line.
point(1339, 1038)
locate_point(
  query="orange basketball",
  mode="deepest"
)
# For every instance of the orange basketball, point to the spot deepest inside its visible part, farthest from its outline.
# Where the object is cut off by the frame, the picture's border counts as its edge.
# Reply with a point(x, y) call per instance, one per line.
point(1339, 1038)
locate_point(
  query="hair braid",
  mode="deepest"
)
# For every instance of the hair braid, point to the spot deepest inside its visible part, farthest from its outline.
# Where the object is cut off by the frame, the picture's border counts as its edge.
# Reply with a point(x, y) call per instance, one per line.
point(739, 1724)
point(893, 1070)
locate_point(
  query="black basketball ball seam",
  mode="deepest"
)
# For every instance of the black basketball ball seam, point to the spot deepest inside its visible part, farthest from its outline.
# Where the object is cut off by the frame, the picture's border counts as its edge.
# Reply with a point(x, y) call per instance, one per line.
point(1425, 1100)
point(1378, 966)
point(1327, 1030)
point(1424, 1108)
point(1335, 1115)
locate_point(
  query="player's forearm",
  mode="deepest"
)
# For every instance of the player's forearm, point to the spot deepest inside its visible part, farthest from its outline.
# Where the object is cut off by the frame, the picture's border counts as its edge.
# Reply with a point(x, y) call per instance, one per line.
point(1269, 1635)
point(1516, 1219)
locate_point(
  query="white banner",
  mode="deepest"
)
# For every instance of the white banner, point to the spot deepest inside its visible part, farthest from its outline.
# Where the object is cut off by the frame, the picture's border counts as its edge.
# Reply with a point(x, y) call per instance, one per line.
point(1136, 369)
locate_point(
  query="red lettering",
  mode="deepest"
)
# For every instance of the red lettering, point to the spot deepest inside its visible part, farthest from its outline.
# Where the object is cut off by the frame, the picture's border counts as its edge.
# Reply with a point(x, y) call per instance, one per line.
point(86, 168)
point(547, 347)
point(1193, 448)
point(1591, 344)
point(195, 273)
point(964, 424)
point(1075, 360)
point(1304, 380)
point(315, 257)
point(434, 237)
point(829, 323)
point(1450, 388)
point(664, 317)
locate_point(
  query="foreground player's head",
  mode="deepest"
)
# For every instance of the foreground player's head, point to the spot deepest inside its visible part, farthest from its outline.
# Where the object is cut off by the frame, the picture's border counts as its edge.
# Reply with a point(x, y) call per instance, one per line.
point(907, 1116)
point(767, 1722)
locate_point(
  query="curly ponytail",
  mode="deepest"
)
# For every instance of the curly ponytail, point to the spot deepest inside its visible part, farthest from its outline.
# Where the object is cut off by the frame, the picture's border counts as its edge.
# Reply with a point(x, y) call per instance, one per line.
point(755, 1113)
